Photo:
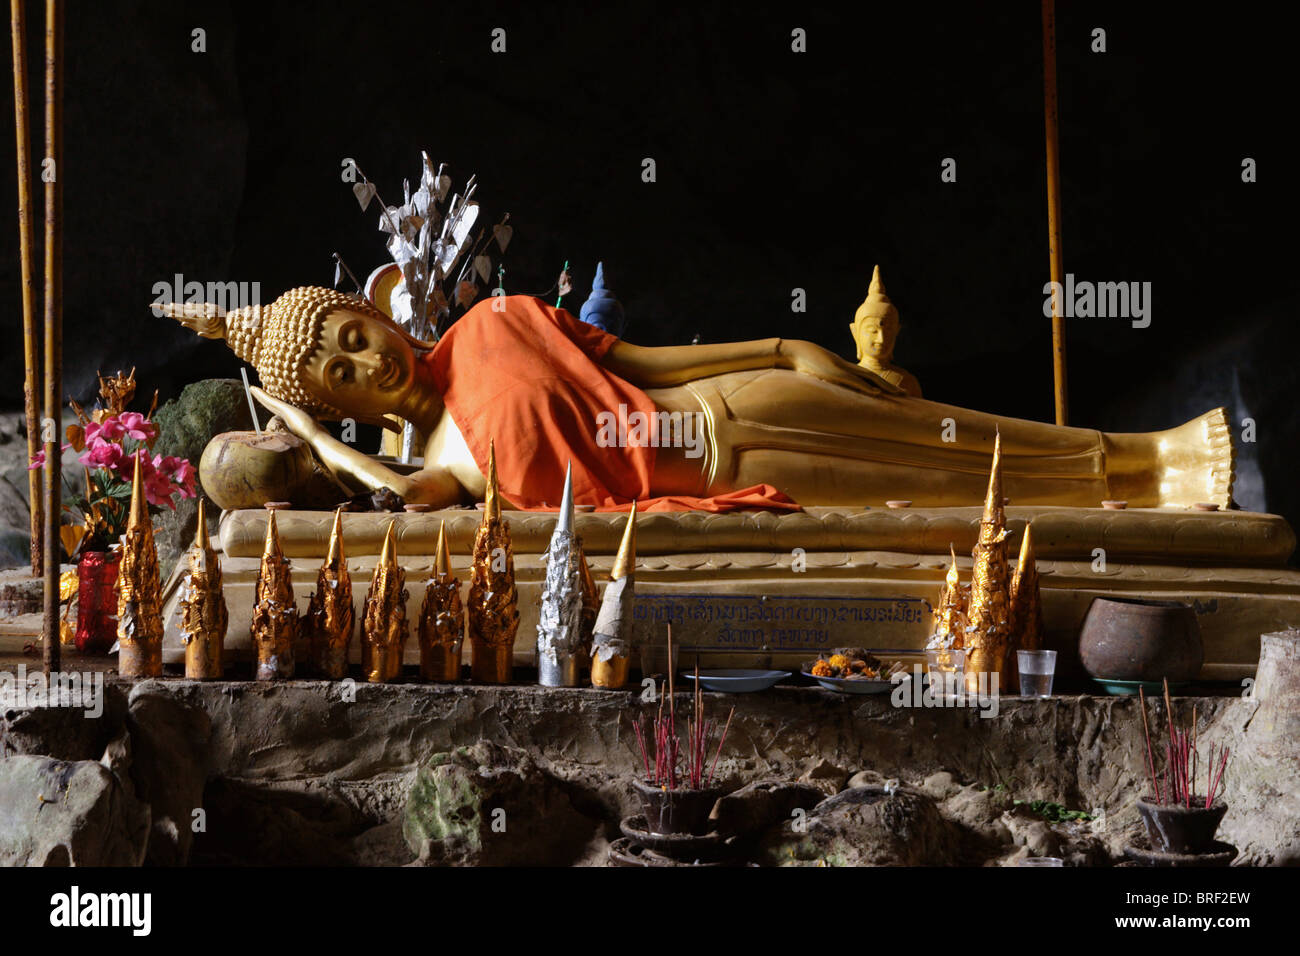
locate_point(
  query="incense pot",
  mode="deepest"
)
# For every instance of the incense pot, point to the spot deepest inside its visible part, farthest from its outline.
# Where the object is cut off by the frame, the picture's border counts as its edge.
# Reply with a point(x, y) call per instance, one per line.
point(275, 623)
point(384, 629)
point(331, 618)
point(559, 625)
point(442, 619)
point(1176, 828)
point(139, 592)
point(988, 632)
point(493, 614)
point(676, 809)
point(611, 647)
point(203, 608)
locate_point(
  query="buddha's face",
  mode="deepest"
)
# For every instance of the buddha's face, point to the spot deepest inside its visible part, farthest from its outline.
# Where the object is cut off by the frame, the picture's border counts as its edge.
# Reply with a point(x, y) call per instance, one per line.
point(362, 366)
point(876, 337)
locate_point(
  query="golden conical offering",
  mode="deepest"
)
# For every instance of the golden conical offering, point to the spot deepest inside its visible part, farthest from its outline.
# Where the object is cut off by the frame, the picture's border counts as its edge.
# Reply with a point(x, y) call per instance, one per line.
point(384, 629)
point(275, 615)
point(950, 622)
point(988, 631)
point(625, 560)
point(1026, 606)
point(611, 647)
point(203, 608)
point(139, 591)
point(331, 619)
point(493, 612)
point(442, 619)
point(492, 497)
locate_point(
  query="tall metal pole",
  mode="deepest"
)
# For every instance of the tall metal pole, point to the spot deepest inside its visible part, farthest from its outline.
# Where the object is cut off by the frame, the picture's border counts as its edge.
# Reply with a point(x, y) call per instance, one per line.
point(1054, 206)
point(52, 173)
point(18, 30)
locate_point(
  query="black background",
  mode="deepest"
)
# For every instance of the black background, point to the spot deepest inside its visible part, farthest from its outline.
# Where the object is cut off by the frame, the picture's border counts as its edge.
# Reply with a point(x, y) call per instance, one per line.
point(294, 921)
point(775, 170)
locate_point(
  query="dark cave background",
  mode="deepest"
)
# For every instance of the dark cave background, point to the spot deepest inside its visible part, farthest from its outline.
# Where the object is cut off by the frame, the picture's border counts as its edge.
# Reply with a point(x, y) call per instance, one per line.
point(775, 170)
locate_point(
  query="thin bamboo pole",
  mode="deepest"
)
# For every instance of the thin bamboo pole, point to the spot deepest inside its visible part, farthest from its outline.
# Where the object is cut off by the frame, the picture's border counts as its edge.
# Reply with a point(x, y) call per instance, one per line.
point(1054, 207)
point(32, 374)
point(53, 320)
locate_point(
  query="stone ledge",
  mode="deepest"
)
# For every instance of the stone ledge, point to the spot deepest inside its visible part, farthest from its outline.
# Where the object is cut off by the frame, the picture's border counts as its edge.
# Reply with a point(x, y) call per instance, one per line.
point(273, 747)
point(1230, 538)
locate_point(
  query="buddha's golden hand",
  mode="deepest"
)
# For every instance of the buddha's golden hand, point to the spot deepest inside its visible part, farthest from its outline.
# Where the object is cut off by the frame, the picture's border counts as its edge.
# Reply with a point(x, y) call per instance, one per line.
point(811, 359)
point(294, 418)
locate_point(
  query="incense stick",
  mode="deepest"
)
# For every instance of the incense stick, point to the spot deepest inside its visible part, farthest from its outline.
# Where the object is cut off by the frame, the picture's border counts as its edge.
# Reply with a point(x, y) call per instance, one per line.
point(1151, 759)
point(18, 31)
point(54, 12)
point(252, 406)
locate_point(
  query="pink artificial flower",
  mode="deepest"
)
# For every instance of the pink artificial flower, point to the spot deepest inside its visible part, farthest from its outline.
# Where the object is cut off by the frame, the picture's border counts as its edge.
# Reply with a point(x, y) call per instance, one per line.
point(158, 487)
point(182, 473)
point(110, 430)
point(136, 426)
point(102, 454)
point(38, 460)
point(158, 491)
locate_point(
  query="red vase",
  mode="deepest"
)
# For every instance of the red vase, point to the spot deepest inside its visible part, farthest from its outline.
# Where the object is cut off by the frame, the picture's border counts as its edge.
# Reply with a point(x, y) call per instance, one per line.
point(97, 601)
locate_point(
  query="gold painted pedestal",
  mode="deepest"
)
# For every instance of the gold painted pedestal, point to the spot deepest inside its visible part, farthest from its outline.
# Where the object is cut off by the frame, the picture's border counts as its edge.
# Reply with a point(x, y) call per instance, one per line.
point(770, 590)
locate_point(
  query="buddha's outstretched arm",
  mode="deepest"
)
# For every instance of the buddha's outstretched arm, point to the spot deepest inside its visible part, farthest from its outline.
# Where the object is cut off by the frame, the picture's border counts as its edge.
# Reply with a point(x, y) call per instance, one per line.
point(648, 367)
point(433, 486)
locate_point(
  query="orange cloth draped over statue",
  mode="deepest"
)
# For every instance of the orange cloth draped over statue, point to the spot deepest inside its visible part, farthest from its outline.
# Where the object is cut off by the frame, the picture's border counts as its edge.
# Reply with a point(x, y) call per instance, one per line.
point(530, 379)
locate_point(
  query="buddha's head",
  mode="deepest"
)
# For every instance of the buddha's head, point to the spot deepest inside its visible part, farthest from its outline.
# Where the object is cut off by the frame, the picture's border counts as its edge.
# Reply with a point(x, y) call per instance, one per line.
point(875, 325)
point(330, 354)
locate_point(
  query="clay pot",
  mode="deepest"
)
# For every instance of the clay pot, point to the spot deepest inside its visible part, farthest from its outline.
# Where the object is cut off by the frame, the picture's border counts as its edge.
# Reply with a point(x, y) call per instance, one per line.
point(1181, 829)
point(676, 811)
point(97, 600)
point(1140, 640)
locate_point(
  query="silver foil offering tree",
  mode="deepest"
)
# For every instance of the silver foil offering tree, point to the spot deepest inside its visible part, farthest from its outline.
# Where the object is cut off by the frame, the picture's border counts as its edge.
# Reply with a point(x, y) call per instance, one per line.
point(559, 621)
point(442, 252)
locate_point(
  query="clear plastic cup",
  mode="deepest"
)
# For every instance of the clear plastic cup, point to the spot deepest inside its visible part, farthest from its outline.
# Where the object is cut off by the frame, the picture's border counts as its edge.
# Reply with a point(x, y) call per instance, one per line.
point(947, 669)
point(1037, 669)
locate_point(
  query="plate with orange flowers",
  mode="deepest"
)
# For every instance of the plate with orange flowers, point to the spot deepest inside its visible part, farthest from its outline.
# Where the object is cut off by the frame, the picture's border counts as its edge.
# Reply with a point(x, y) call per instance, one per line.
point(850, 671)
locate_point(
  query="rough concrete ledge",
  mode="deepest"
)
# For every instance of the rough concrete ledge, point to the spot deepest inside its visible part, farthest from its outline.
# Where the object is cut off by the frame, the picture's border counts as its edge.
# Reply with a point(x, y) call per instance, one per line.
point(349, 751)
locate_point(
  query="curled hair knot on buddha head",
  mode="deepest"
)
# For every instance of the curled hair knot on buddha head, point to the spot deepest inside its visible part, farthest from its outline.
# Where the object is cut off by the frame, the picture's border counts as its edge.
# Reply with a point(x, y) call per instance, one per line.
point(279, 339)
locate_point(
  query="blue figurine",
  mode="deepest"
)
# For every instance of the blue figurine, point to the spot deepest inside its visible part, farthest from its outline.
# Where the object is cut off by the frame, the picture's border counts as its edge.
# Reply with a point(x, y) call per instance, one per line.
point(601, 308)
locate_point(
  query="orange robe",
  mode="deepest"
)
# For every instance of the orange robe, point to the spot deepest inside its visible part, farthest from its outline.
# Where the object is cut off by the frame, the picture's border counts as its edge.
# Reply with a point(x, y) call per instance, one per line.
point(530, 379)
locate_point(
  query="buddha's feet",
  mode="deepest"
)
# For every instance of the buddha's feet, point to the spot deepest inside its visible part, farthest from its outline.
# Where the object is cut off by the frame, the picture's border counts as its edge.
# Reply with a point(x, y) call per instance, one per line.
point(1197, 461)
point(1175, 468)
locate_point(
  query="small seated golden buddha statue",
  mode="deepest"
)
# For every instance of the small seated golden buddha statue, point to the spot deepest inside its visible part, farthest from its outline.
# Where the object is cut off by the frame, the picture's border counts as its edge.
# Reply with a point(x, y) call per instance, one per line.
point(875, 329)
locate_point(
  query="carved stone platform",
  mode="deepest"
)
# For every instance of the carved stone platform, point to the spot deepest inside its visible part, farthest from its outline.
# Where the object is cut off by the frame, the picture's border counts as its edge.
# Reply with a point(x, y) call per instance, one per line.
point(766, 589)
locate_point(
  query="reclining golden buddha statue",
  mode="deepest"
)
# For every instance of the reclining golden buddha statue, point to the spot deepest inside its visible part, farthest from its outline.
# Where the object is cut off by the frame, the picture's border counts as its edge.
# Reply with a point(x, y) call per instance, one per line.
point(775, 423)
